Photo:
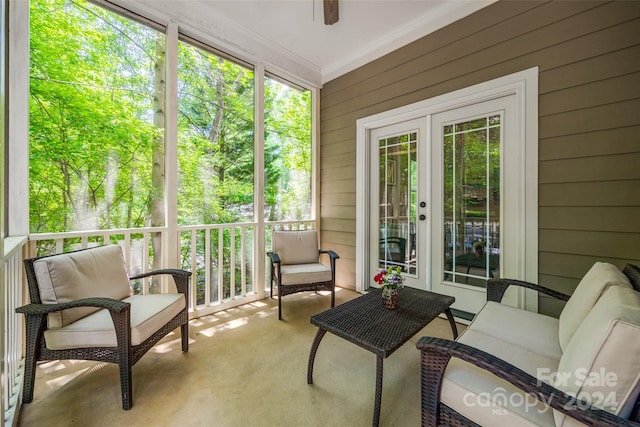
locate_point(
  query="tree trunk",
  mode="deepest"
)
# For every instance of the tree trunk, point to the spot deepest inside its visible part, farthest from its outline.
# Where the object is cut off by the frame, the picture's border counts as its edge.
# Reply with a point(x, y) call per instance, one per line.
point(158, 171)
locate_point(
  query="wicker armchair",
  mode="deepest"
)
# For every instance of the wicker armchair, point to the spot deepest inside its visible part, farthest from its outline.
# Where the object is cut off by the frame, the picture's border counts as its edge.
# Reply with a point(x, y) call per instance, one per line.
point(296, 267)
point(438, 366)
point(82, 308)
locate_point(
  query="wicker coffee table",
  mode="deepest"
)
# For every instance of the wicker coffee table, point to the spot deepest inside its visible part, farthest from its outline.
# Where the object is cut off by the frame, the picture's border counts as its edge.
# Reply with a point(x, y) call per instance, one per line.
point(366, 323)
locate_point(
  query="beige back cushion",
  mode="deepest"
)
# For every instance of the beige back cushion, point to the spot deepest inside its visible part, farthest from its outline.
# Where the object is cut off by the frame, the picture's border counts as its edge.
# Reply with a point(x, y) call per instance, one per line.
point(96, 272)
point(598, 279)
point(601, 364)
point(296, 247)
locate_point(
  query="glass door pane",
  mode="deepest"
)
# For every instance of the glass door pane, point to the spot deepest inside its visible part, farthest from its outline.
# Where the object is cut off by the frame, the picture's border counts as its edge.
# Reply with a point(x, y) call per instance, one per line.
point(472, 200)
point(397, 201)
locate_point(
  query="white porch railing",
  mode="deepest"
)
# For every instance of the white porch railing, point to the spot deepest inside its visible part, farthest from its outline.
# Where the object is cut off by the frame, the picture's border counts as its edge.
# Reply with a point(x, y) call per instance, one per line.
point(136, 244)
point(221, 257)
point(13, 364)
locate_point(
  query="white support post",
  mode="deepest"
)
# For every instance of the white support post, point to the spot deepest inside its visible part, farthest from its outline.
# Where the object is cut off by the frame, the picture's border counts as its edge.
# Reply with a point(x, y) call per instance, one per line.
point(258, 182)
point(315, 155)
point(171, 240)
point(18, 97)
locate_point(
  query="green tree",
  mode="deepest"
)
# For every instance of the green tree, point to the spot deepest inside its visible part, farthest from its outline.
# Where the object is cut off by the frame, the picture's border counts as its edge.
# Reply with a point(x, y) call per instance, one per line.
point(215, 132)
point(91, 136)
point(288, 143)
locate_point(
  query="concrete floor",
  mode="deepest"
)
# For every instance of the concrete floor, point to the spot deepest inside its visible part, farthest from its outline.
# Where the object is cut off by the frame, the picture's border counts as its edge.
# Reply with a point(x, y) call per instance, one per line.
point(243, 368)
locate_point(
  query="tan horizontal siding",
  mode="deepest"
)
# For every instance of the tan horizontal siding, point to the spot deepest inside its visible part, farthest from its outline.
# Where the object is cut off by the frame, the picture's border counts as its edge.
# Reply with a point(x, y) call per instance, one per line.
point(339, 145)
point(338, 173)
point(596, 168)
point(592, 69)
point(620, 219)
point(610, 116)
point(336, 185)
point(339, 224)
point(340, 199)
point(588, 243)
point(346, 252)
point(604, 142)
point(573, 266)
point(589, 194)
point(603, 92)
point(588, 54)
point(335, 211)
point(338, 160)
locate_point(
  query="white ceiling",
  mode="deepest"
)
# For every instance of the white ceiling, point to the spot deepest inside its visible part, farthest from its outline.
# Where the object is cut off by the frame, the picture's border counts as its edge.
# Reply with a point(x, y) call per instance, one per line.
point(290, 35)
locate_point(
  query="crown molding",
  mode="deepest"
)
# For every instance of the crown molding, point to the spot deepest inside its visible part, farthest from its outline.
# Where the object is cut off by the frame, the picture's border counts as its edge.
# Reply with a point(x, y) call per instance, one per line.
point(446, 14)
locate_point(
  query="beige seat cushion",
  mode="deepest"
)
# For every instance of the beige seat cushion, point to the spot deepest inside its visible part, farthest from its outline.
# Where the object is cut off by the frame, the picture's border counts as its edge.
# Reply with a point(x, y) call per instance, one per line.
point(601, 364)
point(296, 247)
point(599, 278)
point(298, 274)
point(148, 314)
point(97, 272)
point(525, 339)
point(531, 331)
point(488, 400)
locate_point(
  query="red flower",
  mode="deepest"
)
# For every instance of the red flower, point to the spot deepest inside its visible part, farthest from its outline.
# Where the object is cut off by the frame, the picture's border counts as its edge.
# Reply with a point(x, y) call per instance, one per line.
point(379, 278)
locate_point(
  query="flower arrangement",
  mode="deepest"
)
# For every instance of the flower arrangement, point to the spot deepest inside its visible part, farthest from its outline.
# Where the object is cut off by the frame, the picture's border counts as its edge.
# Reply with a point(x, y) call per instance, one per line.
point(389, 278)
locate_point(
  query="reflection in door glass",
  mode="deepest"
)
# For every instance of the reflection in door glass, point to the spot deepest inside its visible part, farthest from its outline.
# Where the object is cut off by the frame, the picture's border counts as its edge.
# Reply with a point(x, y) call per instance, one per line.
point(472, 201)
point(397, 201)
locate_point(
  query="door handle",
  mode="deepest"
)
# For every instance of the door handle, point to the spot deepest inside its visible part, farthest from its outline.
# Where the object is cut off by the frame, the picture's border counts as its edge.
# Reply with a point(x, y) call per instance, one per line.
point(422, 217)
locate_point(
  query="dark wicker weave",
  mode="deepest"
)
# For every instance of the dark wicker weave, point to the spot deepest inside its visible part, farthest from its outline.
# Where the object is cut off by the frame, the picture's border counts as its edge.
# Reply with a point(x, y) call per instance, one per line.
point(497, 287)
point(125, 355)
point(633, 273)
point(292, 289)
point(366, 323)
point(437, 352)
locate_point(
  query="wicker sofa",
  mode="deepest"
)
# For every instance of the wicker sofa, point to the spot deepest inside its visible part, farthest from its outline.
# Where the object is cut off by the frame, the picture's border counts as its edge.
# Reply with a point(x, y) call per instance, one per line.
point(512, 367)
point(82, 308)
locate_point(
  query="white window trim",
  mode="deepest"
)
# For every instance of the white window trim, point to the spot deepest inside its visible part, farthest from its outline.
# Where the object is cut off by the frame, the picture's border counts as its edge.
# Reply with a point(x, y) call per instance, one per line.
point(524, 85)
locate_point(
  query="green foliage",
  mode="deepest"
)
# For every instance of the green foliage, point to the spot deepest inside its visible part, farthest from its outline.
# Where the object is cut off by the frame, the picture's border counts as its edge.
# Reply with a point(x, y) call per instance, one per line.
point(215, 138)
point(287, 152)
point(91, 135)
point(94, 127)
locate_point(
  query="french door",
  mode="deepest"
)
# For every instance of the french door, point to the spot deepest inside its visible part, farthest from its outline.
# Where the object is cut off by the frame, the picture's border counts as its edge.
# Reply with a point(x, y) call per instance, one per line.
point(436, 199)
point(471, 226)
point(399, 185)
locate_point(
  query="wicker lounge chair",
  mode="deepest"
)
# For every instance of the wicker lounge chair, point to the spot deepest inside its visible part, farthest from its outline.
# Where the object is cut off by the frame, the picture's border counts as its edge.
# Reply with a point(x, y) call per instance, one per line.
point(296, 267)
point(82, 308)
point(513, 367)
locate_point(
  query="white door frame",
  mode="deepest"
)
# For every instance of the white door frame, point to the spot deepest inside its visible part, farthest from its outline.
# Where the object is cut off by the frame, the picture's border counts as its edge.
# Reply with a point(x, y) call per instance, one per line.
point(524, 85)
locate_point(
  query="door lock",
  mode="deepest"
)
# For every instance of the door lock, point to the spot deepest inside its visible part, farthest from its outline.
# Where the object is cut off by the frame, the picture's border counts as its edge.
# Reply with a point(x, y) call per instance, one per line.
point(422, 217)
point(423, 204)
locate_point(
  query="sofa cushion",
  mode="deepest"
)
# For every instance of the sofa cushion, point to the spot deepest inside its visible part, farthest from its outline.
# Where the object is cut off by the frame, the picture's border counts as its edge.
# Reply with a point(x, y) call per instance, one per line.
point(527, 330)
point(296, 247)
point(600, 364)
point(488, 400)
point(97, 272)
point(599, 278)
point(305, 273)
point(148, 314)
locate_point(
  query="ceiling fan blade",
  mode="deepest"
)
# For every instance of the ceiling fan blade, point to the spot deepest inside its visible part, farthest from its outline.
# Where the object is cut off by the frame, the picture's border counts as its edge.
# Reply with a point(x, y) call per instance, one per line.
point(330, 11)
